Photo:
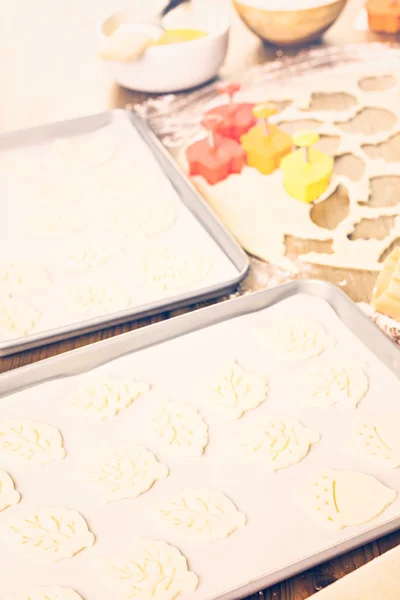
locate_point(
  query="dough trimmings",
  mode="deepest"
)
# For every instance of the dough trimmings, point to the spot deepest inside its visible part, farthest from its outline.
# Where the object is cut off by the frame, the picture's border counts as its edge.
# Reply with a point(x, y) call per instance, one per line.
point(377, 437)
point(31, 441)
point(17, 318)
point(151, 570)
point(330, 384)
point(166, 268)
point(342, 498)
point(105, 396)
point(279, 442)
point(203, 514)
point(48, 593)
point(234, 391)
point(8, 494)
point(127, 473)
point(52, 534)
point(295, 338)
point(181, 428)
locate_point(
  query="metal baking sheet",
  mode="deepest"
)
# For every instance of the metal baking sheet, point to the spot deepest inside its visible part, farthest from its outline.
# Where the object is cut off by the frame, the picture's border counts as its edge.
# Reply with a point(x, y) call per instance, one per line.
point(176, 356)
point(195, 225)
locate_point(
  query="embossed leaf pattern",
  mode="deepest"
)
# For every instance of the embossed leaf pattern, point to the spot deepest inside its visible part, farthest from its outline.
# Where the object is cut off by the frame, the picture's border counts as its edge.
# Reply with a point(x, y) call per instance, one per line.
point(152, 570)
point(106, 396)
point(279, 442)
point(49, 593)
point(8, 494)
point(203, 514)
point(127, 473)
point(54, 534)
point(331, 384)
point(378, 438)
point(181, 428)
point(296, 338)
point(32, 441)
point(236, 391)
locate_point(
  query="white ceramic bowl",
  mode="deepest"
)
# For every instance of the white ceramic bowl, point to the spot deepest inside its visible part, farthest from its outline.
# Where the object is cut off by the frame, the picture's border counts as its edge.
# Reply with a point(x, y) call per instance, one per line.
point(174, 67)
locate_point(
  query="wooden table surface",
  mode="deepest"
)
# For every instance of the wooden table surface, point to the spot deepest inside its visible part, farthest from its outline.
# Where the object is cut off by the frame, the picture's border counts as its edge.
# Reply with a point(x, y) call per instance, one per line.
point(49, 71)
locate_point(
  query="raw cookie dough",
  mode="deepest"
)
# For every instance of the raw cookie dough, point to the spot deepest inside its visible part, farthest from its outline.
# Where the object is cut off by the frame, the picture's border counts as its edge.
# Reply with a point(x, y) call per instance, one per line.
point(181, 428)
point(127, 473)
point(34, 442)
point(331, 384)
point(17, 318)
point(203, 514)
point(48, 593)
point(84, 152)
point(8, 494)
point(105, 396)
point(343, 498)
point(235, 391)
point(63, 220)
point(378, 438)
point(279, 442)
point(97, 299)
point(50, 533)
point(166, 268)
point(17, 275)
point(143, 219)
point(295, 338)
point(89, 255)
point(151, 570)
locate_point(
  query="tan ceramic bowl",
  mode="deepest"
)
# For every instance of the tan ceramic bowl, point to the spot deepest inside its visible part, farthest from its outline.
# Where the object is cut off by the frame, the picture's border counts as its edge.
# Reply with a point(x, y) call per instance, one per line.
point(289, 27)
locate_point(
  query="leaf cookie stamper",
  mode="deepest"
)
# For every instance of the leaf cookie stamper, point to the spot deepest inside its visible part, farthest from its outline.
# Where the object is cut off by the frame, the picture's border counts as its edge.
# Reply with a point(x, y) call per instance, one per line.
point(105, 396)
point(8, 493)
point(296, 338)
point(34, 442)
point(48, 593)
point(203, 514)
point(378, 438)
point(151, 570)
point(342, 498)
point(181, 428)
point(331, 384)
point(127, 473)
point(52, 534)
point(235, 391)
point(279, 442)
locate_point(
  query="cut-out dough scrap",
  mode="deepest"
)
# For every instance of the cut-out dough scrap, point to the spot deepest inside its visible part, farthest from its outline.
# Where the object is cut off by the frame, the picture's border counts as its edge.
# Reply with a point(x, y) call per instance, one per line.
point(51, 533)
point(127, 473)
point(16, 275)
point(342, 498)
point(330, 384)
point(203, 514)
point(8, 493)
point(97, 298)
point(105, 396)
point(48, 593)
point(83, 152)
point(17, 318)
point(166, 268)
point(378, 438)
point(31, 441)
point(151, 570)
point(181, 428)
point(296, 338)
point(234, 391)
point(280, 442)
point(145, 219)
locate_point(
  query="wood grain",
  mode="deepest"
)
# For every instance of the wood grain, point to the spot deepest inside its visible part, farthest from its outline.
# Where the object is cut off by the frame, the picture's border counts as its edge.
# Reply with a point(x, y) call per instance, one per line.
point(49, 71)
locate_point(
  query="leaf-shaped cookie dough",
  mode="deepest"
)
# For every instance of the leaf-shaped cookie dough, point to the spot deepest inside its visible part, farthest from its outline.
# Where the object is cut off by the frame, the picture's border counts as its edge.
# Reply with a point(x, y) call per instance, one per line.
point(17, 318)
point(8, 494)
point(203, 514)
point(51, 533)
point(97, 298)
point(143, 219)
point(342, 498)
point(105, 396)
point(344, 384)
point(127, 473)
point(235, 391)
point(17, 275)
point(34, 442)
point(378, 438)
point(296, 338)
point(83, 152)
point(279, 442)
point(48, 593)
point(166, 268)
point(181, 428)
point(151, 570)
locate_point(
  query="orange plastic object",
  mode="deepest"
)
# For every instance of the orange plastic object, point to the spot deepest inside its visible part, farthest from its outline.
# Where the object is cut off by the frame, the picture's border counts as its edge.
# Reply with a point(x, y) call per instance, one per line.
point(236, 118)
point(266, 145)
point(217, 157)
point(384, 15)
